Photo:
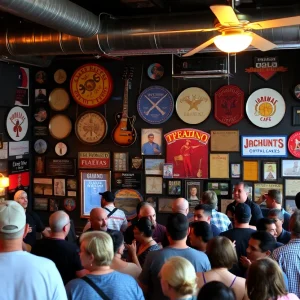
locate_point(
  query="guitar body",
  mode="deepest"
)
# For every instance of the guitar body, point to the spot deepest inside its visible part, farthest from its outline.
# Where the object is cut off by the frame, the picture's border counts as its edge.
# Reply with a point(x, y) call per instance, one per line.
point(124, 134)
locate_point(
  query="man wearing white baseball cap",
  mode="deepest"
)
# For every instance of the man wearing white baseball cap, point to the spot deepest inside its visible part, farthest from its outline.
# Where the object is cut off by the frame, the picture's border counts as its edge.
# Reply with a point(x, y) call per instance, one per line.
point(23, 275)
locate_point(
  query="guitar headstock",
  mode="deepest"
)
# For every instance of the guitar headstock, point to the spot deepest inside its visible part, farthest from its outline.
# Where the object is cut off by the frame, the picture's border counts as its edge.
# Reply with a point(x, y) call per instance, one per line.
point(128, 73)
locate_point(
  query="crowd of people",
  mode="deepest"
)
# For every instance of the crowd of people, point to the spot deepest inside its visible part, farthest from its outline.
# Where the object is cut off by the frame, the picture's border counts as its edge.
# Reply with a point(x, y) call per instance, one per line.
point(245, 254)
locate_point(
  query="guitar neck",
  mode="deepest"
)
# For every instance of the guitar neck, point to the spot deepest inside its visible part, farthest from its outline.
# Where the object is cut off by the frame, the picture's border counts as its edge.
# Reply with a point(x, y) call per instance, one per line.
point(125, 98)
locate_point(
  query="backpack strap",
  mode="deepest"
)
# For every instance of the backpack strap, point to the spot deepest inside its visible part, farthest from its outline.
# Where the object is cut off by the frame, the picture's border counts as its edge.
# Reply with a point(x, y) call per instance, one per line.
point(95, 287)
point(110, 213)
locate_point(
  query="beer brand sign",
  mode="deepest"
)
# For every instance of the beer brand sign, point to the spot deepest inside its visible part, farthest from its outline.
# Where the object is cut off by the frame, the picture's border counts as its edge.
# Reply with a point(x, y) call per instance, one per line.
point(266, 67)
point(94, 160)
point(257, 146)
point(17, 123)
point(229, 105)
point(294, 144)
point(187, 150)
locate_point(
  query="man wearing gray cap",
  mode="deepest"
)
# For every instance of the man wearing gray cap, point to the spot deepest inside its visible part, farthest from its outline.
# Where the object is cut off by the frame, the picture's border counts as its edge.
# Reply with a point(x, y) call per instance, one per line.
point(23, 275)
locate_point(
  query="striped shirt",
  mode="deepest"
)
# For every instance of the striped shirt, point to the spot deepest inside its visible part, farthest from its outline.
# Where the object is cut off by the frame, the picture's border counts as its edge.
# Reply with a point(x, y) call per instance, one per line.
point(288, 259)
point(117, 221)
point(220, 220)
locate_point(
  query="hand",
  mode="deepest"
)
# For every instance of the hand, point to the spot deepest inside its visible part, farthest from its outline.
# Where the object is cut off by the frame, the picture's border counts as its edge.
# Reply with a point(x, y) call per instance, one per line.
point(29, 229)
point(131, 248)
point(245, 262)
point(234, 244)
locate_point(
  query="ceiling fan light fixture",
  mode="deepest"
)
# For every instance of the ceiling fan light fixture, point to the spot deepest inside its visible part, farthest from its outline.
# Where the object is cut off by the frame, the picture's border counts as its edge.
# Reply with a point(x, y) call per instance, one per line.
point(233, 42)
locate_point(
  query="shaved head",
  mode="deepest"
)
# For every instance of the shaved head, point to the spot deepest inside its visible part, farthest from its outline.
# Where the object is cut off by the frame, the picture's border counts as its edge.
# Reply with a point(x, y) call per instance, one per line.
point(58, 221)
point(98, 219)
point(21, 197)
point(148, 211)
point(180, 205)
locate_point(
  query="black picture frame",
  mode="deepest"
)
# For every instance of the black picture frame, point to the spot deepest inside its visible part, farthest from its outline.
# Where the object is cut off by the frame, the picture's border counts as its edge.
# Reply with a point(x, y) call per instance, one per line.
point(174, 187)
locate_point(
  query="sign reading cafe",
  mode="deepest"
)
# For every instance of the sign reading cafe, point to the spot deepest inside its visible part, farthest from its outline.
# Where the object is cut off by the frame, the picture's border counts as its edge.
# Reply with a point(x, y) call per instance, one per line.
point(274, 146)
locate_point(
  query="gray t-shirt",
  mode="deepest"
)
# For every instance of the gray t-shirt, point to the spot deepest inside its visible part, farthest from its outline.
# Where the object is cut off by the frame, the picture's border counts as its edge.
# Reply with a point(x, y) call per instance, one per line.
point(155, 261)
point(115, 286)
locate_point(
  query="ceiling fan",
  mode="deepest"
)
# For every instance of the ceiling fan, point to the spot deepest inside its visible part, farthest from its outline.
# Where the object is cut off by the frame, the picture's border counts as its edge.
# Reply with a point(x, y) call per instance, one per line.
point(236, 35)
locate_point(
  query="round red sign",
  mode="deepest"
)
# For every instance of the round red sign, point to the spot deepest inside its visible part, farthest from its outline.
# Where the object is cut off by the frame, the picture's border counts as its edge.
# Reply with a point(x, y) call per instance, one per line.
point(294, 144)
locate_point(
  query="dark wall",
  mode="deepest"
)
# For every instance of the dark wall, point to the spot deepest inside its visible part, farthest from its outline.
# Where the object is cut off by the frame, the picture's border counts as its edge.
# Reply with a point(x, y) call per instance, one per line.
point(282, 82)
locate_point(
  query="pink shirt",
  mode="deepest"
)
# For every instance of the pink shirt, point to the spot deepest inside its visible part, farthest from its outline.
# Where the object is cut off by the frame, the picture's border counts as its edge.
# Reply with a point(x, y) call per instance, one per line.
point(288, 297)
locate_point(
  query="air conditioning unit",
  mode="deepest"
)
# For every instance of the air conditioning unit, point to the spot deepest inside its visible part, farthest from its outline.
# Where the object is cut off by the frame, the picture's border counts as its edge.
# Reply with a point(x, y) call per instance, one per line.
point(201, 67)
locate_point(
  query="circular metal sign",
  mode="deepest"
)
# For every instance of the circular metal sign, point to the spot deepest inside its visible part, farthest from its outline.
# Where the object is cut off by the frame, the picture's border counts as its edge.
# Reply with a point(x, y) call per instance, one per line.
point(294, 144)
point(91, 85)
point(61, 149)
point(60, 126)
point(155, 105)
point(91, 127)
point(17, 123)
point(193, 105)
point(59, 99)
point(265, 108)
point(155, 71)
point(40, 146)
point(60, 76)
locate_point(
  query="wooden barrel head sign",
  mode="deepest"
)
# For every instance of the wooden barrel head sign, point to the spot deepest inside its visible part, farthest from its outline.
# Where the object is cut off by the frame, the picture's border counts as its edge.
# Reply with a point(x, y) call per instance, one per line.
point(91, 85)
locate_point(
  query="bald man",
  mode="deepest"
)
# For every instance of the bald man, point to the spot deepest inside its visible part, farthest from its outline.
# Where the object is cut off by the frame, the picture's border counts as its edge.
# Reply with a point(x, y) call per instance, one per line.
point(34, 221)
point(180, 205)
point(63, 253)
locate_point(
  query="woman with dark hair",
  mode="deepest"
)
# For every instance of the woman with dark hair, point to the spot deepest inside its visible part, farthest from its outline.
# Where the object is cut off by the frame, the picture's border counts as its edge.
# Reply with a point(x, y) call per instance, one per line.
point(216, 290)
point(143, 230)
point(265, 281)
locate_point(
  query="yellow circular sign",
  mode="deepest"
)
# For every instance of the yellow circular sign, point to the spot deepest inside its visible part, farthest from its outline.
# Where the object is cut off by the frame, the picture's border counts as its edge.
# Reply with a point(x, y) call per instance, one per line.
point(91, 85)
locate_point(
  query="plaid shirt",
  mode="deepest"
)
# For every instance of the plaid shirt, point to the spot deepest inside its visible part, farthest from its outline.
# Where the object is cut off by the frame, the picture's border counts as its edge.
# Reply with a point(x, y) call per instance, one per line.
point(288, 259)
point(220, 220)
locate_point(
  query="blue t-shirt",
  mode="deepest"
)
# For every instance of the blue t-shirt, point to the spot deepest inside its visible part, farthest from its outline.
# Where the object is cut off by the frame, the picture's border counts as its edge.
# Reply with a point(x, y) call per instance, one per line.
point(155, 261)
point(114, 285)
point(148, 149)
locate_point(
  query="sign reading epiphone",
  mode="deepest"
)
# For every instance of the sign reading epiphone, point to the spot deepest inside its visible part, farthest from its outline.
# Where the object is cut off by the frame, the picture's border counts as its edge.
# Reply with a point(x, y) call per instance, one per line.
point(94, 160)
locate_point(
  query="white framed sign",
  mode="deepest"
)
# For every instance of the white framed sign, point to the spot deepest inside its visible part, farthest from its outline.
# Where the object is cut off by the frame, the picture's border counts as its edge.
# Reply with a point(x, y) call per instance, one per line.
point(18, 148)
point(17, 123)
point(264, 145)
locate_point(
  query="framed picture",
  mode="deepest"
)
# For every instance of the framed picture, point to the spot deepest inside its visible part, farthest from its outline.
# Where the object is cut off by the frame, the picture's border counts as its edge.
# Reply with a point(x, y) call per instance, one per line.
point(53, 205)
point(235, 170)
point(120, 162)
point(39, 165)
point(224, 141)
point(262, 188)
point(270, 171)
point(193, 191)
point(151, 141)
point(71, 184)
point(290, 206)
point(220, 188)
point(154, 166)
point(40, 204)
point(250, 170)
point(42, 186)
point(59, 187)
point(296, 116)
point(40, 96)
point(168, 171)
point(165, 205)
point(154, 185)
point(136, 163)
point(92, 182)
point(174, 187)
point(290, 168)
point(291, 187)
point(219, 165)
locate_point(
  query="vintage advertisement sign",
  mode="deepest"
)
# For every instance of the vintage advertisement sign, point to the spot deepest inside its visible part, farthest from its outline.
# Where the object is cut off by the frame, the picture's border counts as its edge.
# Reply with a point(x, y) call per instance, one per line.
point(266, 67)
point(18, 148)
point(269, 145)
point(187, 150)
point(229, 105)
point(17, 166)
point(127, 180)
point(94, 160)
point(265, 108)
point(19, 181)
point(294, 144)
point(17, 123)
point(61, 167)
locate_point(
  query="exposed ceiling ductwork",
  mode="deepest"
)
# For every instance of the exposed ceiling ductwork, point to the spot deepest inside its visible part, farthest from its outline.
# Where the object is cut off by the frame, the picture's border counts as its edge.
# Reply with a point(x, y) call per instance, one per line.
point(133, 36)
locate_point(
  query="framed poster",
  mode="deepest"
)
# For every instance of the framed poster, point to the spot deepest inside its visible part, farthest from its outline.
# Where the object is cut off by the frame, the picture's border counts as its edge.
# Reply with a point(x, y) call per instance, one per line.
point(42, 186)
point(193, 191)
point(174, 187)
point(120, 161)
point(219, 165)
point(262, 188)
point(92, 182)
point(40, 204)
point(290, 206)
point(154, 185)
point(291, 187)
point(235, 170)
point(165, 205)
point(154, 166)
point(59, 187)
point(151, 141)
point(224, 141)
point(290, 168)
point(250, 170)
point(270, 171)
point(168, 171)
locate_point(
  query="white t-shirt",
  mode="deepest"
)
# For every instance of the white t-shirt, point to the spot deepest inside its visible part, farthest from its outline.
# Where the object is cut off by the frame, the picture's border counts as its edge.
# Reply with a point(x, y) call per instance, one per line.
point(26, 276)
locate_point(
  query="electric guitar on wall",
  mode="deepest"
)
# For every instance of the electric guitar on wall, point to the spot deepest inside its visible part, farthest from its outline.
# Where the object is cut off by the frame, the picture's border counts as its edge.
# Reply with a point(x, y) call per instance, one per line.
point(124, 134)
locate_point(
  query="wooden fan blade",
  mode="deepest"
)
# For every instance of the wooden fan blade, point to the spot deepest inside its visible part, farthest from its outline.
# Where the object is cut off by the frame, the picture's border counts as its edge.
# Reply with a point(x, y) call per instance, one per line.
point(261, 43)
point(199, 48)
point(275, 23)
point(225, 15)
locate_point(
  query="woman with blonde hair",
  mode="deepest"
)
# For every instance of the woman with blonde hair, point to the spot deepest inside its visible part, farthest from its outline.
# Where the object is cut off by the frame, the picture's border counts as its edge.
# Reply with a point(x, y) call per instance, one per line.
point(265, 282)
point(178, 279)
point(222, 257)
point(96, 255)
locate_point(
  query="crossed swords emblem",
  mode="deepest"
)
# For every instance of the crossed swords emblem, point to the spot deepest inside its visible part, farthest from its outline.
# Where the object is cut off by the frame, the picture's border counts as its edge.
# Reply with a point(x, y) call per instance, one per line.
point(155, 105)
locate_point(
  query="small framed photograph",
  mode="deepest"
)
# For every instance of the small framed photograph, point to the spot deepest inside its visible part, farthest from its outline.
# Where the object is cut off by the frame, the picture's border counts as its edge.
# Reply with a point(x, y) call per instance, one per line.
point(290, 168)
point(270, 171)
point(39, 165)
point(290, 206)
point(165, 205)
point(53, 205)
point(151, 141)
point(193, 191)
point(154, 185)
point(174, 187)
point(250, 170)
point(154, 166)
point(235, 170)
point(136, 163)
point(120, 162)
point(40, 96)
point(40, 204)
point(71, 184)
point(291, 187)
point(168, 171)
point(59, 187)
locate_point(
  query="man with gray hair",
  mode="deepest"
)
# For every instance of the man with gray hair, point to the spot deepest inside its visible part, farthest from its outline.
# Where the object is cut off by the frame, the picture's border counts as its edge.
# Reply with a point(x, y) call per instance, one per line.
point(23, 275)
point(217, 218)
point(63, 253)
